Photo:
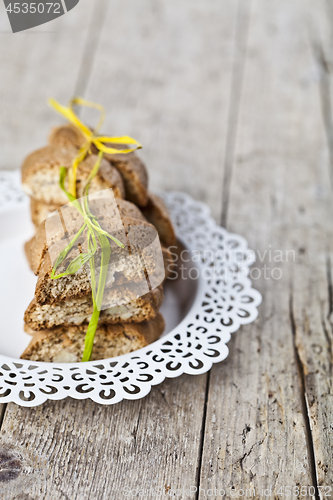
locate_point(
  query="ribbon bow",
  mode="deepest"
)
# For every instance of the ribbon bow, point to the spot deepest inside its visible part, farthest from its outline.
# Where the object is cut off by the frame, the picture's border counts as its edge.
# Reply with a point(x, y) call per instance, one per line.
point(90, 135)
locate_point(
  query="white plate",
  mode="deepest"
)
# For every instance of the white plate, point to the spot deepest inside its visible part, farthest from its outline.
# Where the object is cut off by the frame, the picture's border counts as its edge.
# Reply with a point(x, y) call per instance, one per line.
point(200, 313)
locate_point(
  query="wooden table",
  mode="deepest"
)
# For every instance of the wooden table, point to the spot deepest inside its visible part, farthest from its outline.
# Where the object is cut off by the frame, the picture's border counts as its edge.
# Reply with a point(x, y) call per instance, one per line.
point(232, 101)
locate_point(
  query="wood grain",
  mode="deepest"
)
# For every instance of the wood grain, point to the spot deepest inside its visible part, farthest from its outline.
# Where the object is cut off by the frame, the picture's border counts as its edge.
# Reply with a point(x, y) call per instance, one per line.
point(79, 449)
point(312, 294)
point(166, 81)
point(257, 425)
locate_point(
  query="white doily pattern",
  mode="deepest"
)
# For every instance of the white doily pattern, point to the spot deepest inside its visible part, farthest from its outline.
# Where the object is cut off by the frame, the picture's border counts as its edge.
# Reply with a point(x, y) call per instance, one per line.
point(224, 301)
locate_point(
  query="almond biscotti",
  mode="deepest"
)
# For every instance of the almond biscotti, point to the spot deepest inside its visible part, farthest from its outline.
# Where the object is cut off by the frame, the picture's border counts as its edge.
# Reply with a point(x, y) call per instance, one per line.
point(124, 305)
point(155, 212)
point(41, 171)
point(41, 211)
point(66, 222)
point(123, 267)
point(129, 166)
point(66, 344)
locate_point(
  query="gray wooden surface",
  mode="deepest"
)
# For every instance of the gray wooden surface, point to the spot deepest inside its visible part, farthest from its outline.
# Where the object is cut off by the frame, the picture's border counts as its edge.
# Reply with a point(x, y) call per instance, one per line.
point(232, 101)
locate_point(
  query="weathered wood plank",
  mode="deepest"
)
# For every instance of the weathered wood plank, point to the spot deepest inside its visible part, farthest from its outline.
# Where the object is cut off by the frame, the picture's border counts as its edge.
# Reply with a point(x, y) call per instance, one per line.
point(78, 449)
point(37, 64)
point(163, 71)
point(312, 299)
point(2, 413)
point(165, 74)
point(256, 424)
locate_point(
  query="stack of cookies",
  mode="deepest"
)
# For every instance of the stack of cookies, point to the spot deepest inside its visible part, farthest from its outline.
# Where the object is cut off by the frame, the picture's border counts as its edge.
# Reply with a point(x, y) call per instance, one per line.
point(61, 309)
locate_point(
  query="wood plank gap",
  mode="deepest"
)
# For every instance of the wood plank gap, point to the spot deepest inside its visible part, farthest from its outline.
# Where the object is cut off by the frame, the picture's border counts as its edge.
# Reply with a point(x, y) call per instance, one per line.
point(202, 437)
point(305, 408)
point(241, 37)
point(92, 41)
point(329, 284)
point(2, 413)
point(324, 66)
point(327, 334)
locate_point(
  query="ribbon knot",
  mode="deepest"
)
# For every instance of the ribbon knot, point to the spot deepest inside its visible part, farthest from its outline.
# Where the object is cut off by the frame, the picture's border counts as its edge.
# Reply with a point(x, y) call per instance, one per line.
point(90, 136)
